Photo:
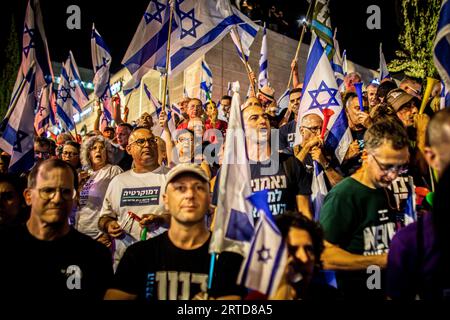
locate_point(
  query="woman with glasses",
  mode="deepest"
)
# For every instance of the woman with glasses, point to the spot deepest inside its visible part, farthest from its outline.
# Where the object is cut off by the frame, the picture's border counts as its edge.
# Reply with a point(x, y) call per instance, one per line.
point(96, 158)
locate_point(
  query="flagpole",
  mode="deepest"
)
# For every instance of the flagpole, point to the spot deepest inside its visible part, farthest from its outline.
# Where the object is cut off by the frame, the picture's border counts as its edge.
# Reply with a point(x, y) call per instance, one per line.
point(305, 24)
point(247, 67)
point(166, 76)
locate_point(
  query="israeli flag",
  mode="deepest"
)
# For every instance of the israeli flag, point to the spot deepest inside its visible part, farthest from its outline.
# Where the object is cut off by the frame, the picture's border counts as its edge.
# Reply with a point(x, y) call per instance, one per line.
point(336, 64)
point(101, 61)
point(441, 49)
point(244, 33)
point(319, 189)
point(157, 129)
point(263, 62)
point(34, 49)
point(320, 91)
point(265, 263)
point(233, 226)
point(78, 95)
point(384, 72)
point(197, 26)
point(206, 82)
point(17, 129)
point(444, 97)
point(64, 106)
point(44, 113)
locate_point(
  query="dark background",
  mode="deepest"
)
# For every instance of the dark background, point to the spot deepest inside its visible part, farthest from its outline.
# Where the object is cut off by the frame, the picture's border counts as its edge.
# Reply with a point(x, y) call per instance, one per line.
point(117, 22)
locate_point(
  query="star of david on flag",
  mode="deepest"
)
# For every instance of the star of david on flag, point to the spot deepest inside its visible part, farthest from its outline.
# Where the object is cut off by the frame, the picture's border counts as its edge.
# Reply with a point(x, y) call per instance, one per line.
point(197, 26)
point(322, 93)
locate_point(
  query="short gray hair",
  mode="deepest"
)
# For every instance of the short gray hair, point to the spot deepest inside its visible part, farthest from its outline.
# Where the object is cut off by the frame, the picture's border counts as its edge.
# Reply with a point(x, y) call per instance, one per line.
point(86, 147)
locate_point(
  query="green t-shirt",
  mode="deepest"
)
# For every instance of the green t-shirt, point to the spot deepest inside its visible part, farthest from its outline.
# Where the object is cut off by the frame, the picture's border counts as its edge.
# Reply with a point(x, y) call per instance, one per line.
point(359, 219)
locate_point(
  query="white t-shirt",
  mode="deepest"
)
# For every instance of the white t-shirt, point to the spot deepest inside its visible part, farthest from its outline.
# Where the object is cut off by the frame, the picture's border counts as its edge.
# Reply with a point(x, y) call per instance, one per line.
point(91, 200)
point(138, 193)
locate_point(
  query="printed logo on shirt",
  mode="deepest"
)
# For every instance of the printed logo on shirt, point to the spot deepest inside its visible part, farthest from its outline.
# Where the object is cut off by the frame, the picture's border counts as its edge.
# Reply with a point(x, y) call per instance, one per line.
point(275, 185)
point(147, 196)
point(378, 238)
point(174, 285)
point(291, 139)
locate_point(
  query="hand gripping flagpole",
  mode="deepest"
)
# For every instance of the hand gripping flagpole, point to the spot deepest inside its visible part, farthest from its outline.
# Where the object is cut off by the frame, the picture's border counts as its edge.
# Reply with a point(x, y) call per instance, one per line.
point(247, 67)
point(305, 25)
point(163, 106)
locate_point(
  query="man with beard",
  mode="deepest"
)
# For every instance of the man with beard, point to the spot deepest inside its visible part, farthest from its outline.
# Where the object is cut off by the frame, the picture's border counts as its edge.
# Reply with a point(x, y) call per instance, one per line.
point(133, 194)
point(359, 214)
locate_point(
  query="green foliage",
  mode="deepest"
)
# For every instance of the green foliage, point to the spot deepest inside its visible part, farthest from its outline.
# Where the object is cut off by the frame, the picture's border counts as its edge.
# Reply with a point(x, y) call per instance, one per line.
point(11, 67)
point(415, 58)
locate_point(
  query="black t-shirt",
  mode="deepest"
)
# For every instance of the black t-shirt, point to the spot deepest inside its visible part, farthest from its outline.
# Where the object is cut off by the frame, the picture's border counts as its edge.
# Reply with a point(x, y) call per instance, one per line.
point(284, 179)
point(71, 267)
point(287, 135)
point(156, 269)
point(126, 162)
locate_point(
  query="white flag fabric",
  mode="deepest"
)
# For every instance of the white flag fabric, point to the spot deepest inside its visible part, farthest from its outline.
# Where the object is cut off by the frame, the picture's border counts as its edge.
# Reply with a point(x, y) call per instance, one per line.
point(233, 226)
point(197, 26)
point(384, 72)
point(34, 49)
point(206, 82)
point(263, 61)
point(44, 114)
point(101, 61)
point(265, 263)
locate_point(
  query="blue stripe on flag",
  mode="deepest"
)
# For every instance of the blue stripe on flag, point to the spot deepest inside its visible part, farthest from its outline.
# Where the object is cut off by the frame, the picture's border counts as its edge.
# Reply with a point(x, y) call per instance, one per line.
point(24, 164)
point(239, 228)
point(251, 252)
point(208, 71)
point(64, 117)
point(249, 29)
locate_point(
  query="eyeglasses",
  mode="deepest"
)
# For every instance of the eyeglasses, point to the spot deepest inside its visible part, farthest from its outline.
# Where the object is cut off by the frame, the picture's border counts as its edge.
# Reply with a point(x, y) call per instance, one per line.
point(70, 154)
point(313, 129)
point(181, 140)
point(400, 169)
point(48, 193)
point(141, 142)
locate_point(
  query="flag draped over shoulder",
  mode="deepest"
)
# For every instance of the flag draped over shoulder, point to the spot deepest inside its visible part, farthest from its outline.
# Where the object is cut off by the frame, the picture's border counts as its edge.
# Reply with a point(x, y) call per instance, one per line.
point(197, 26)
point(441, 50)
point(233, 226)
point(263, 62)
point(17, 136)
point(265, 263)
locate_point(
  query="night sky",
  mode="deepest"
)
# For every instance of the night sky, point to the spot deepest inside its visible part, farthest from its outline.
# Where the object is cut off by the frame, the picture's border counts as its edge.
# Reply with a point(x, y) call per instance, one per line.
point(118, 22)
